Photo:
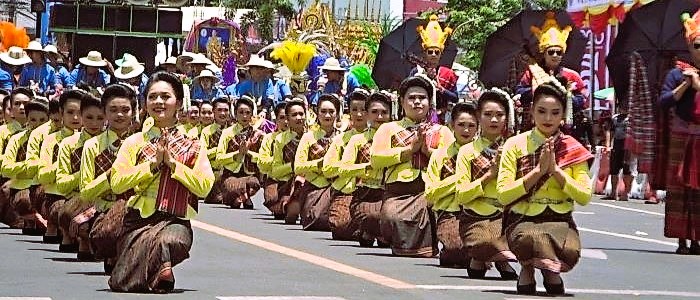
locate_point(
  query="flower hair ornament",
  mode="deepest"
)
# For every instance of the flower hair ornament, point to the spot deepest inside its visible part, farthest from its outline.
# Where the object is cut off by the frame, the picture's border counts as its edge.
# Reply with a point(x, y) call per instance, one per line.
point(433, 97)
point(511, 106)
point(569, 113)
point(252, 100)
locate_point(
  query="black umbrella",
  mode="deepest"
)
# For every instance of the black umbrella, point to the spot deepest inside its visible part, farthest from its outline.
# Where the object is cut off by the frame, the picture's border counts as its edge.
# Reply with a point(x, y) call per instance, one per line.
point(514, 38)
point(655, 31)
point(398, 52)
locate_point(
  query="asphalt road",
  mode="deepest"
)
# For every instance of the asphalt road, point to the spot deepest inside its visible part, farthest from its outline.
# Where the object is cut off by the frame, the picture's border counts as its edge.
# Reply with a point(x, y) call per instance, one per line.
point(240, 255)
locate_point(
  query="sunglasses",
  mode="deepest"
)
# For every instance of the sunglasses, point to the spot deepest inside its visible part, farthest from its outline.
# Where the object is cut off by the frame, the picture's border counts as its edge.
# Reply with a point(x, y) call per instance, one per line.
point(432, 52)
point(556, 52)
point(696, 46)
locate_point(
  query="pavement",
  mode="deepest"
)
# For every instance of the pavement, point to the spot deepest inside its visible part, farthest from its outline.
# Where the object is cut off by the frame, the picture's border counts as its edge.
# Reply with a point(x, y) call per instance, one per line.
point(246, 254)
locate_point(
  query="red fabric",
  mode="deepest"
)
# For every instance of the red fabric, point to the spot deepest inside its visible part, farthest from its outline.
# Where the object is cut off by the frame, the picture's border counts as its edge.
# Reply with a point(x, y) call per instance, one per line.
point(578, 18)
point(598, 23)
point(447, 78)
point(689, 170)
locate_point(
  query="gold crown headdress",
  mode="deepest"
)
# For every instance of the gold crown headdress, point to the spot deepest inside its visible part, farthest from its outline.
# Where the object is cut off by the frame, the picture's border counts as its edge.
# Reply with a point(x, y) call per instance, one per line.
point(433, 35)
point(692, 26)
point(550, 34)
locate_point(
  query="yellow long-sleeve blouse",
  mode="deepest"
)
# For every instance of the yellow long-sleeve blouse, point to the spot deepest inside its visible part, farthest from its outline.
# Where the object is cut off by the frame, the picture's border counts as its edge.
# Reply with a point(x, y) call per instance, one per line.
point(332, 163)
point(17, 170)
point(384, 155)
point(7, 131)
point(48, 163)
point(96, 189)
point(281, 171)
point(577, 186)
point(472, 193)
point(441, 192)
point(231, 160)
point(362, 174)
point(309, 168)
point(35, 143)
point(128, 173)
point(211, 146)
point(68, 179)
point(265, 153)
point(191, 131)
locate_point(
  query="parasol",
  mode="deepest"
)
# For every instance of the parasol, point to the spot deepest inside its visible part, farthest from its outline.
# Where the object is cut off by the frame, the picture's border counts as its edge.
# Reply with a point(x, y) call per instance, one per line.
point(514, 39)
point(655, 31)
point(392, 64)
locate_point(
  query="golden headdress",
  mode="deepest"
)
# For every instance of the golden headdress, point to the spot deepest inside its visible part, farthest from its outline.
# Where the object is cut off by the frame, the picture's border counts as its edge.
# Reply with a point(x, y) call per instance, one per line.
point(550, 34)
point(295, 55)
point(692, 26)
point(433, 35)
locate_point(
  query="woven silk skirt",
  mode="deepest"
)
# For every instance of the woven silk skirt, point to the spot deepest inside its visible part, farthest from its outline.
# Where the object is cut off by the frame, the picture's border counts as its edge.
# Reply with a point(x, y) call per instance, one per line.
point(452, 253)
point(482, 238)
point(406, 222)
point(314, 213)
point(682, 218)
point(548, 241)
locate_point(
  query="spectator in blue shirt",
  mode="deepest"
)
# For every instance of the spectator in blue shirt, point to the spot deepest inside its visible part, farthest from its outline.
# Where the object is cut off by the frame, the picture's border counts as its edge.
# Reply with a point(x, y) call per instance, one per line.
point(258, 85)
point(39, 76)
point(131, 73)
point(281, 89)
point(204, 87)
point(334, 81)
point(12, 62)
point(89, 71)
point(57, 61)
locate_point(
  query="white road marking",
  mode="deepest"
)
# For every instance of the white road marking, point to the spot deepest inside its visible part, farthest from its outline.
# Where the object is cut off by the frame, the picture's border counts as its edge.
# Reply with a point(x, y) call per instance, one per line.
point(594, 254)
point(278, 298)
point(627, 236)
point(584, 213)
point(483, 288)
point(25, 298)
point(307, 257)
point(628, 209)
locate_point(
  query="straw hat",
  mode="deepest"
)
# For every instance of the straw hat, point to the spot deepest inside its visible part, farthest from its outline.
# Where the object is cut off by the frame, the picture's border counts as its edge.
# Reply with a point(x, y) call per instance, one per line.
point(15, 56)
point(257, 61)
point(93, 59)
point(125, 58)
point(170, 61)
point(34, 46)
point(206, 74)
point(200, 59)
point(129, 69)
point(332, 64)
point(51, 49)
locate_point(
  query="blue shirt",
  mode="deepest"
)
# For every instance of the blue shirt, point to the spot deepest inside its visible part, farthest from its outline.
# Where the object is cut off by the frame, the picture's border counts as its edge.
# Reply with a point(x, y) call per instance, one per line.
point(264, 90)
point(62, 75)
point(6, 80)
point(282, 90)
point(231, 90)
point(44, 75)
point(79, 74)
point(336, 87)
point(198, 93)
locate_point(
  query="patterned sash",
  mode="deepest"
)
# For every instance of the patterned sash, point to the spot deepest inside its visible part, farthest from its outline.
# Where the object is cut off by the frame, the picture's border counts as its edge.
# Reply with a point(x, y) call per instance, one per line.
point(363, 154)
point(215, 137)
point(254, 139)
point(406, 136)
point(449, 168)
point(318, 149)
point(481, 164)
point(173, 197)
point(22, 151)
point(105, 159)
point(54, 158)
point(289, 151)
point(75, 159)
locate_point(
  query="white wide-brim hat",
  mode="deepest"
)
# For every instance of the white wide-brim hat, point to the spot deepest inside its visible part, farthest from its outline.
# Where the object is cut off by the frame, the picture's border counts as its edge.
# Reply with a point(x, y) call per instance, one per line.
point(257, 61)
point(34, 46)
point(93, 59)
point(15, 56)
point(200, 59)
point(206, 74)
point(129, 69)
point(51, 49)
point(170, 61)
point(332, 64)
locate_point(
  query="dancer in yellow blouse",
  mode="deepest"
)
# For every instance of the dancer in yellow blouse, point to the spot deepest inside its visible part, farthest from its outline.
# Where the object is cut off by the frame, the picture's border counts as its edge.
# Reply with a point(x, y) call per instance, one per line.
point(481, 217)
point(13, 105)
point(366, 203)
point(403, 148)
point(440, 181)
point(542, 173)
point(315, 200)
point(69, 105)
point(168, 173)
point(272, 181)
point(190, 124)
point(16, 167)
point(119, 105)
point(343, 185)
point(237, 153)
point(211, 134)
point(70, 151)
point(284, 151)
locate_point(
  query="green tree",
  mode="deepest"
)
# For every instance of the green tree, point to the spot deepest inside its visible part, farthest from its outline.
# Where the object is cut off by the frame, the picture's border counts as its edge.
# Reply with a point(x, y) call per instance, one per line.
point(475, 20)
point(263, 15)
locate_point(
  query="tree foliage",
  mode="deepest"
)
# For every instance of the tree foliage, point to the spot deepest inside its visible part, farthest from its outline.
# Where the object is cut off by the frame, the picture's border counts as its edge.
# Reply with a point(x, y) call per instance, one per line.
point(475, 20)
